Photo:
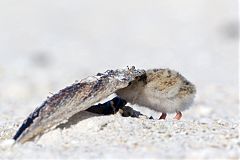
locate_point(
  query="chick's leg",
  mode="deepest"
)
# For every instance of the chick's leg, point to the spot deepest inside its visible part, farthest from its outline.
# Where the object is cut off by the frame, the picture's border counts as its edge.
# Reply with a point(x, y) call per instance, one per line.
point(178, 115)
point(163, 116)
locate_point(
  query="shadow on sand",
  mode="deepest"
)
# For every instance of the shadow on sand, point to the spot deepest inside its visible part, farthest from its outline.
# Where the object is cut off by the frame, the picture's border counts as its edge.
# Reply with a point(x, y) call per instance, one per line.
point(77, 118)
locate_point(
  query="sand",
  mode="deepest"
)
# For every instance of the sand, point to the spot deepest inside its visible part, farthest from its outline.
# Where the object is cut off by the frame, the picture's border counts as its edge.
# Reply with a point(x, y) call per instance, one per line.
point(203, 132)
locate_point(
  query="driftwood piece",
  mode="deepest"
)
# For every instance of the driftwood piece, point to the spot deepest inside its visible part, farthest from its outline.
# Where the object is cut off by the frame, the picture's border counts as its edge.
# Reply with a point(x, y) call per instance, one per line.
point(78, 97)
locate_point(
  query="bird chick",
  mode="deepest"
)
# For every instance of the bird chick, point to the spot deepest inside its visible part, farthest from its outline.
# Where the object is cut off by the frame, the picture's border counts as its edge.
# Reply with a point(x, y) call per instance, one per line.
point(162, 90)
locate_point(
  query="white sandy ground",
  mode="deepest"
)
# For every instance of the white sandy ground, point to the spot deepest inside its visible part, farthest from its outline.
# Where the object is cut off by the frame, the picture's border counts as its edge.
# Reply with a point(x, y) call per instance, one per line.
point(47, 45)
point(210, 129)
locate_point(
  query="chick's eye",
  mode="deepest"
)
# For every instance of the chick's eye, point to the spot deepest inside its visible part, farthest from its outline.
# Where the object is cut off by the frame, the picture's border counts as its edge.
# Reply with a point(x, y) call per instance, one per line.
point(186, 82)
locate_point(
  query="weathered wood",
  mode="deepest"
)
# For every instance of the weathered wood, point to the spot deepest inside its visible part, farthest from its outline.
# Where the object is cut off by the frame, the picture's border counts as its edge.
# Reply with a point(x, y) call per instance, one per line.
point(78, 97)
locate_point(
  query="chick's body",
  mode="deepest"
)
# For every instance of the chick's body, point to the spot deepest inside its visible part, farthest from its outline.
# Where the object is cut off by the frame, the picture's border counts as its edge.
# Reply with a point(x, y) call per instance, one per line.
point(162, 90)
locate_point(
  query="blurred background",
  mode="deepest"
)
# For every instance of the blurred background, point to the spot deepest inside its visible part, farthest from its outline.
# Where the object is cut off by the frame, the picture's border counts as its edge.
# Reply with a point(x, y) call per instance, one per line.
point(46, 45)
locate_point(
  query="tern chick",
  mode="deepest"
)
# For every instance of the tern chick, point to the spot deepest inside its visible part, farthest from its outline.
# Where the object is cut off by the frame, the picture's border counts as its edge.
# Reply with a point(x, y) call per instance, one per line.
point(162, 90)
